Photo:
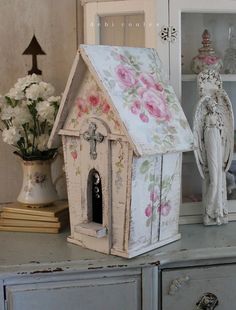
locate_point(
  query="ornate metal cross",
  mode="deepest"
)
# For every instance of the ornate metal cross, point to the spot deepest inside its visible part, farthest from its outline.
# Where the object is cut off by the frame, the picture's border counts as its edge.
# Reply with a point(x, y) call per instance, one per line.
point(92, 137)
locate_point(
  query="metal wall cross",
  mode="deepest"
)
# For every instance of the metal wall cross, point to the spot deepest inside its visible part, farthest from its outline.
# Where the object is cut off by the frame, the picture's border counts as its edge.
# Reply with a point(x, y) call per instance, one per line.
point(92, 137)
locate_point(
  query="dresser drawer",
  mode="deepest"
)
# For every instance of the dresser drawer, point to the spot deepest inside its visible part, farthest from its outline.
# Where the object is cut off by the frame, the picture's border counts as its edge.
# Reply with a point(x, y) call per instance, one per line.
point(101, 294)
point(194, 288)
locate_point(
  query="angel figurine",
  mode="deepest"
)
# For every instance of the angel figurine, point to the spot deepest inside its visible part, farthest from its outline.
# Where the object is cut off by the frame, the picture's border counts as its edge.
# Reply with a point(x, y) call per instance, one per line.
point(213, 129)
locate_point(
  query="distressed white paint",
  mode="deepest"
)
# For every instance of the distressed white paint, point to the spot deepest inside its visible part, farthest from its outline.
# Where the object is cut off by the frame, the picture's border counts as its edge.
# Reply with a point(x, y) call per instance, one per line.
point(144, 209)
point(73, 179)
point(120, 175)
point(170, 217)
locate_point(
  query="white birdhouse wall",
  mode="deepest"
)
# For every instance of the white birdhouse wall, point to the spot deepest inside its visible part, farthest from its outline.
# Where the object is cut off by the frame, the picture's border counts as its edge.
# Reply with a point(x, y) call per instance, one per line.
point(170, 197)
point(146, 191)
point(113, 162)
point(122, 156)
point(71, 150)
point(156, 185)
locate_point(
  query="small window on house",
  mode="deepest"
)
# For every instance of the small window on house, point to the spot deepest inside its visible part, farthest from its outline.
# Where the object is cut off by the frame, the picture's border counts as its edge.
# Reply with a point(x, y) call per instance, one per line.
point(94, 197)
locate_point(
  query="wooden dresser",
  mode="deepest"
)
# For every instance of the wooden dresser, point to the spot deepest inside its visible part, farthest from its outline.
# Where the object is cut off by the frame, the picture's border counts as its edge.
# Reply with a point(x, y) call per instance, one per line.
point(42, 271)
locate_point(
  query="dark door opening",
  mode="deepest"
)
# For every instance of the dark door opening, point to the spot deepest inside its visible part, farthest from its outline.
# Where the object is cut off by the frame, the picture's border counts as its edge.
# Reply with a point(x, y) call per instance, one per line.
point(95, 192)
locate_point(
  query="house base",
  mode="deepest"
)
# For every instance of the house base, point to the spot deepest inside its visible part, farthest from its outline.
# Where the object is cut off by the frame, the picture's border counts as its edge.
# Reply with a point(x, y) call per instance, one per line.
point(91, 243)
point(134, 252)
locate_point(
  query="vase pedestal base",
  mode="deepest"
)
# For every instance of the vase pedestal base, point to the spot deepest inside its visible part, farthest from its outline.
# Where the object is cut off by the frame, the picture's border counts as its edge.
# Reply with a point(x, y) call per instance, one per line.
point(36, 206)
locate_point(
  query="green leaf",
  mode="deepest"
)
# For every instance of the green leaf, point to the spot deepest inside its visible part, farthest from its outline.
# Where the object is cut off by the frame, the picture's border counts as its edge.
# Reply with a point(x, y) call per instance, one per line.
point(152, 177)
point(107, 73)
point(112, 83)
point(77, 172)
point(167, 142)
point(183, 123)
point(154, 216)
point(150, 186)
point(148, 222)
point(145, 167)
point(175, 107)
point(156, 139)
point(172, 130)
point(11, 102)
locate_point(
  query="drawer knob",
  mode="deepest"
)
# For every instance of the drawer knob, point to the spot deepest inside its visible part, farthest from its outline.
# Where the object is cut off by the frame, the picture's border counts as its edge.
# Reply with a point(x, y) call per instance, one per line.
point(208, 301)
point(177, 284)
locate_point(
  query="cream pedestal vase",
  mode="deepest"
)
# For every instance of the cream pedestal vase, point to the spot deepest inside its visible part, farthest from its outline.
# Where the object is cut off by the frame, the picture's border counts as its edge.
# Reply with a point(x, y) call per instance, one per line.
point(37, 186)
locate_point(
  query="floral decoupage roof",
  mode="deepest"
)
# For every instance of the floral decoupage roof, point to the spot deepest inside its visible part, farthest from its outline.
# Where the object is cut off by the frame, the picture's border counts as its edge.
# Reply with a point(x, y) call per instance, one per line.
point(142, 96)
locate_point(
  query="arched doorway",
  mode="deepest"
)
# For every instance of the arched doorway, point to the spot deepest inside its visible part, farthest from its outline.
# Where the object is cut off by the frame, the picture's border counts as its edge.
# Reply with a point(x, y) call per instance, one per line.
point(94, 196)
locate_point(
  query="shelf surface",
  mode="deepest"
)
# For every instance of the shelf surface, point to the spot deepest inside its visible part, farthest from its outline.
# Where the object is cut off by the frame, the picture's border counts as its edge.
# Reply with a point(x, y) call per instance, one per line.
point(189, 158)
point(31, 253)
point(193, 77)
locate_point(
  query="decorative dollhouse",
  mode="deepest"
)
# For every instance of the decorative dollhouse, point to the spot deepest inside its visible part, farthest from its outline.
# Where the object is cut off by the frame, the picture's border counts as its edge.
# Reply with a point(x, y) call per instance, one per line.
point(123, 132)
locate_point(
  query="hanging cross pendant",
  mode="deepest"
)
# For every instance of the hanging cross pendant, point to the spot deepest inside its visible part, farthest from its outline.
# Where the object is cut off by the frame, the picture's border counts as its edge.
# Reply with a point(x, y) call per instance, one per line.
point(92, 137)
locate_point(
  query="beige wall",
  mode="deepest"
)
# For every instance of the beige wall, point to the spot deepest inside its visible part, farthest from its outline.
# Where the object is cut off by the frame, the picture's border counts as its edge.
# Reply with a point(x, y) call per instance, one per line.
point(58, 27)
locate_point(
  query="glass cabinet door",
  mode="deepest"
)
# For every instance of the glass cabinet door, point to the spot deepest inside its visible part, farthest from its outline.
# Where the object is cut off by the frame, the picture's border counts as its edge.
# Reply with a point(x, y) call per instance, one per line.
point(198, 21)
point(191, 18)
point(104, 20)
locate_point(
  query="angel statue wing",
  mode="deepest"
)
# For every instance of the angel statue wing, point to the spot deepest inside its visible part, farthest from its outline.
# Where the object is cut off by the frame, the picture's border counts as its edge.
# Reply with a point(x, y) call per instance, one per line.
point(226, 112)
point(210, 90)
point(198, 132)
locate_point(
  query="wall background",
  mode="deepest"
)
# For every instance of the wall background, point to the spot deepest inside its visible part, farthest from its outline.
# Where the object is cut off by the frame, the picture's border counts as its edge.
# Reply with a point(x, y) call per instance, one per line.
point(58, 27)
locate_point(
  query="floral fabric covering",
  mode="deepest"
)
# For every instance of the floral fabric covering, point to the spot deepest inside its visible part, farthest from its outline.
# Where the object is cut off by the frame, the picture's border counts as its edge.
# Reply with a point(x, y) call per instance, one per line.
point(143, 98)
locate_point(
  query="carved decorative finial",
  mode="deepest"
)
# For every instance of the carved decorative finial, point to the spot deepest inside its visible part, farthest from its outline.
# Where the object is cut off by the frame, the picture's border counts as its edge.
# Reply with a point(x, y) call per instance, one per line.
point(206, 42)
point(34, 49)
point(206, 59)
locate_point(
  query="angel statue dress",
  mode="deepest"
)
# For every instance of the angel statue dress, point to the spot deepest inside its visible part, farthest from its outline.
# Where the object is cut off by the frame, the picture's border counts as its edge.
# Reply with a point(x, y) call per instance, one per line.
point(213, 136)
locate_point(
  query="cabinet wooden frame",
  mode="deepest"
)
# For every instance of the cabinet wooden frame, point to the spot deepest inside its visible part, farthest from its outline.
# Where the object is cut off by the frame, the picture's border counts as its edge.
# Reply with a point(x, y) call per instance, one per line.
point(94, 10)
point(191, 212)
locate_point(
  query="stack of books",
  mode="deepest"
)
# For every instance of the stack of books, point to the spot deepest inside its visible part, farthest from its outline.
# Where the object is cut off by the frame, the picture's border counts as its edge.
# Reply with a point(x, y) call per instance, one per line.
point(50, 219)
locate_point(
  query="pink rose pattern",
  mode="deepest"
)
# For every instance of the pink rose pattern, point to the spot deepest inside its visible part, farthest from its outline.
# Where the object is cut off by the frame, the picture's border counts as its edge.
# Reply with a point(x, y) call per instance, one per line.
point(148, 210)
point(147, 98)
point(93, 99)
point(164, 208)
point(156, 205)
point(94, 102)
point(74, 154)
point(73, 149)
point(125, 77)
point(208, 60)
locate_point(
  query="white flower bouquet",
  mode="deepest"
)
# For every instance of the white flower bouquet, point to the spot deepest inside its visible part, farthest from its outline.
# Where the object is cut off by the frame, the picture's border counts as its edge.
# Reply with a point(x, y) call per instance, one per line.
point(27, 113)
